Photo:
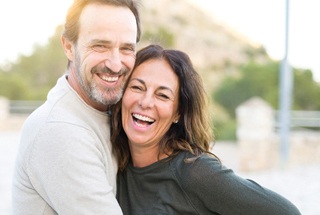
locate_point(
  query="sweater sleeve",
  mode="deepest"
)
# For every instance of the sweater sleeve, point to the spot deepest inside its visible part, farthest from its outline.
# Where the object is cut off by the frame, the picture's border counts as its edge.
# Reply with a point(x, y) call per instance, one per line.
point(69, 171)
point(212, 187)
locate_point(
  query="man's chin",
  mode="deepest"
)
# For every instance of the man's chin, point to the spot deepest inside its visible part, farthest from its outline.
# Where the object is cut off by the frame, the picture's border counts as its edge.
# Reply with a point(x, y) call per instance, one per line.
point(109, 98)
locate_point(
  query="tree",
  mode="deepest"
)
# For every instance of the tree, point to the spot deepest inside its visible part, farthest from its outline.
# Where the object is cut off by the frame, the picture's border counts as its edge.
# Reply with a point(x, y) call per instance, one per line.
point(262, 80)
point(306, 91)
point(255, 80)
point(31, 77)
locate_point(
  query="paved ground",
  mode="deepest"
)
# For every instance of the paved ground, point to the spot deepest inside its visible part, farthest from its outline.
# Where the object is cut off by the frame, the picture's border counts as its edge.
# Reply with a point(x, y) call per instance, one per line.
point(300, 184)
point(8, 147)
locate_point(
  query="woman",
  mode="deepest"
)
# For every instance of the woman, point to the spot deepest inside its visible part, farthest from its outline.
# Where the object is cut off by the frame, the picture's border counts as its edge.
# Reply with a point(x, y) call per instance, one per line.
point(161, 135)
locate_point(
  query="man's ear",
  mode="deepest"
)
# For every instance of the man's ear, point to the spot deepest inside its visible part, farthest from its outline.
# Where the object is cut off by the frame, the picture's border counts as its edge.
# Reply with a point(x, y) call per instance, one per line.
point(68, 48)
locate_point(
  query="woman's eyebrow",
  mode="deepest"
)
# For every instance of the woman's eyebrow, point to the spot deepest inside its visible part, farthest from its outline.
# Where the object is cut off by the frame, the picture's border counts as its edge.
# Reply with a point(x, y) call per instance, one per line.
point(166, 88)
point(139, 80)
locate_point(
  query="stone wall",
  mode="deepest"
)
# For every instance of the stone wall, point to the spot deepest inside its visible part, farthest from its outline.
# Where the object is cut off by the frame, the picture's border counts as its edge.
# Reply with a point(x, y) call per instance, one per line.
point(4, 108)
point(259, 143)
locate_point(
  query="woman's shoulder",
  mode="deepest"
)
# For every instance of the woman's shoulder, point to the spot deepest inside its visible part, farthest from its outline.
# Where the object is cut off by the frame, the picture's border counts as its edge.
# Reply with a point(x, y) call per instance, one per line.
point(185, 164)
point(199, 175)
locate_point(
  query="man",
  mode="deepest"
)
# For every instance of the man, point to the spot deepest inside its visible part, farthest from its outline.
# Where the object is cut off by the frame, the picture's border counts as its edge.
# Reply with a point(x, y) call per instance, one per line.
point(65, 163)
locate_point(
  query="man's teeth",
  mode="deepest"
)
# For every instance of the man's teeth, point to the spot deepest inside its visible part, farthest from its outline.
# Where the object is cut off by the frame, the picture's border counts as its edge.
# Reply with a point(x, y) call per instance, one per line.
point(110, 79)
point(143, 118)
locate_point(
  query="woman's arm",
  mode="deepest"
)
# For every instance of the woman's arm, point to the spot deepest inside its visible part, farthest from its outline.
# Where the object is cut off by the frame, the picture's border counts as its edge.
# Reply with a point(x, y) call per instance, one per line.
point(215, 188)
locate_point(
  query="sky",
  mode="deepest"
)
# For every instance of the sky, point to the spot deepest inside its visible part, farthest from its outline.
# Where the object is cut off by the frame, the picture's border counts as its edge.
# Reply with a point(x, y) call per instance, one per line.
point(26, 23)
point(264, 22)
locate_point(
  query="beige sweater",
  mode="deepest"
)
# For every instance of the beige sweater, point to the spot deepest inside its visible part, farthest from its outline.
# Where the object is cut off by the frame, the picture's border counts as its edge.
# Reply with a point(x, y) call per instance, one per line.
point(65, 163)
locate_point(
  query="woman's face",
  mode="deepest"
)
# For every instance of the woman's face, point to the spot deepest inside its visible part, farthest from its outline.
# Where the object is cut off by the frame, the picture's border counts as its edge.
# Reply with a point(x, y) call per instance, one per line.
point(150, 103)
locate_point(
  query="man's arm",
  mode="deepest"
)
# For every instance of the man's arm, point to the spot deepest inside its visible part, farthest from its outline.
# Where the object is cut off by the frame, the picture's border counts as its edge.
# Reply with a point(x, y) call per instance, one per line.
point(68, 168)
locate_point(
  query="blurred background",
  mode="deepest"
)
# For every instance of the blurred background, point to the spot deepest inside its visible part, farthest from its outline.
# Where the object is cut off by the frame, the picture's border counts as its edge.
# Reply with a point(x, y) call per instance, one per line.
point(236, 46)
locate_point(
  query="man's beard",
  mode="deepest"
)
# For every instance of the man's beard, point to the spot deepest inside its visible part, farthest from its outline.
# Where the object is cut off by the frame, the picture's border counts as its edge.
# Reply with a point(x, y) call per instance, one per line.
point(107, 96)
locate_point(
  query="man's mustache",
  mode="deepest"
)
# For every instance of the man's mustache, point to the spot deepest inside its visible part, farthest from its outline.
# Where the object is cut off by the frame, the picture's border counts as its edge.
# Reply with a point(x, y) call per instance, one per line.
point(109, 71)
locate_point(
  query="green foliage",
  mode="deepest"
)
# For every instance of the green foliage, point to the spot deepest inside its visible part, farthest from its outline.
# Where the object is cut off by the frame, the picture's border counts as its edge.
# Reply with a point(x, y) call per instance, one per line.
point(306, 92)
point(161, 36)
point(225, 130)
point(252, 53)
point(13, 86)
point(262, 80)
point(256, 80)
point(31, 77)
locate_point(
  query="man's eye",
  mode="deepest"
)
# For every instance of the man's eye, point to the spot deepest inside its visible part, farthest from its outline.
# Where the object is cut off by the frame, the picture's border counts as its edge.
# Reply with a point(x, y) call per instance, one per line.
point(99, 48)
point(128, 50)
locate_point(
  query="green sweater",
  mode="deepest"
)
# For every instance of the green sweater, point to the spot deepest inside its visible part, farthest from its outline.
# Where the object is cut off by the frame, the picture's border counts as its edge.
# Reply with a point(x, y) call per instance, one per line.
point(173, 186)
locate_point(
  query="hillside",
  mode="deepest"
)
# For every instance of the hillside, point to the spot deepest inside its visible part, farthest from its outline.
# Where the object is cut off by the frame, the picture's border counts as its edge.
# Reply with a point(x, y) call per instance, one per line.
point(214, 49)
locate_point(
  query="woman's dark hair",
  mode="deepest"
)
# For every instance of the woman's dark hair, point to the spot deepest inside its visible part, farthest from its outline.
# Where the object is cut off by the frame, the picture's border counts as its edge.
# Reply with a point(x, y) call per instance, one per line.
point(193, 132)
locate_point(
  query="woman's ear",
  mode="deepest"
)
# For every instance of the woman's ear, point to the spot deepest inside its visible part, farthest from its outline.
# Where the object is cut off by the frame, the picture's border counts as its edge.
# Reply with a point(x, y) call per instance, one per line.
point(68, 48)
point(176, 120)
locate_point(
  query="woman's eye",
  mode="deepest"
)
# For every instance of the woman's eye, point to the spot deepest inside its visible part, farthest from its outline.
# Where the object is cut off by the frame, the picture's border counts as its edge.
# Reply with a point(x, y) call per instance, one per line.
point(163, 96)
point(136, 88)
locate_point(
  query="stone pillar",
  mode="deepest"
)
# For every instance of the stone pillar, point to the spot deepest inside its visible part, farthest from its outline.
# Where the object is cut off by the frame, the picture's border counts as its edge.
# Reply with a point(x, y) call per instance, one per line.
point(256, 136)
point(4, 108)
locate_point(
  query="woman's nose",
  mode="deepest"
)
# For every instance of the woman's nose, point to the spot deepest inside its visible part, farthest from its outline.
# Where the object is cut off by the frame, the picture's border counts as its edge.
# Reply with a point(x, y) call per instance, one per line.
point(146, 101)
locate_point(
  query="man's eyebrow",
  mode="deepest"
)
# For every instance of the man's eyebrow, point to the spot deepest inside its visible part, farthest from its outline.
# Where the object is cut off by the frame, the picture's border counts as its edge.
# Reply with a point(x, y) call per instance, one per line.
point(94, 41)
point(132, 45)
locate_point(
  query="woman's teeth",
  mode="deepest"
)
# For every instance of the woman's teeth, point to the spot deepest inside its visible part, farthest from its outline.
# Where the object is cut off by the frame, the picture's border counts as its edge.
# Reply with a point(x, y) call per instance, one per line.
point(143, 118)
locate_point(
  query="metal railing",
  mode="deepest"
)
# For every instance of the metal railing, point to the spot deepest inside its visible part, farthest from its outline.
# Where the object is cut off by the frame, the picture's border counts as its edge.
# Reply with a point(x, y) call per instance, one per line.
point(24, 106)
point(305, 119)
point(308, 119)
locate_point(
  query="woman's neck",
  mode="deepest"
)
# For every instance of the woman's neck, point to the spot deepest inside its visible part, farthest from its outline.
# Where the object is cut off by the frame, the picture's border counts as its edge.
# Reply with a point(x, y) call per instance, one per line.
point(142, 157)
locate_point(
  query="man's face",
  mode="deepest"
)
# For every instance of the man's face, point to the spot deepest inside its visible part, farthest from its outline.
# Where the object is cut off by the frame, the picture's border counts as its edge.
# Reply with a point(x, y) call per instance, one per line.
point(104, 55)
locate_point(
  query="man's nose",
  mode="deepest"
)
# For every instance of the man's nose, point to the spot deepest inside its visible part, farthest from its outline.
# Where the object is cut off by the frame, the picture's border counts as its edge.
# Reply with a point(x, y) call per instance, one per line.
point(113, 61)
